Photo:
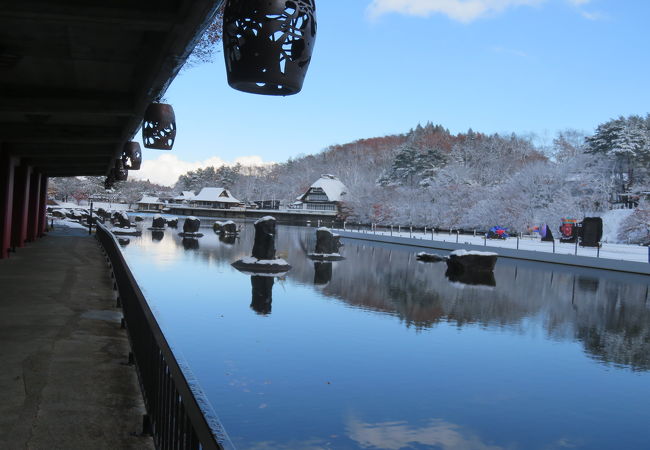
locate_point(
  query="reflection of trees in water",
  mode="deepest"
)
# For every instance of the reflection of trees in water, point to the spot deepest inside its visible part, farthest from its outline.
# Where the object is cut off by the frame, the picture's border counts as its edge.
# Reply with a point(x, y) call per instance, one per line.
point(611, 318)
point(616, 329)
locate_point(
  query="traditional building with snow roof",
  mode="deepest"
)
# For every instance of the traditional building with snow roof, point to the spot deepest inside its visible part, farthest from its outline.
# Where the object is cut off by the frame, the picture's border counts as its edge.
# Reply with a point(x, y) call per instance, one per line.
point(217, 198)
point(150, 203)
point(183, 197)
point(324, 195)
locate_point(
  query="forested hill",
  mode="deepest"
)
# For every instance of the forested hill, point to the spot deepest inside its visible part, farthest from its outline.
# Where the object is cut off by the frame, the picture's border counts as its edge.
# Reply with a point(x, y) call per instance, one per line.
point(429, 176)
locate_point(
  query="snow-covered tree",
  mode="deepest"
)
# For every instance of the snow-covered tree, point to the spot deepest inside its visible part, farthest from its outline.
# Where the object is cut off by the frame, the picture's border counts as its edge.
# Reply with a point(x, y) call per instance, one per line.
point(626, 141)
point(636, 228)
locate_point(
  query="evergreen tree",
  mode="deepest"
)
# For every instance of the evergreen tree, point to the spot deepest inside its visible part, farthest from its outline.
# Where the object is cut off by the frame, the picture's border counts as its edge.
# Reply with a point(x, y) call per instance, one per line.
point(627, 142)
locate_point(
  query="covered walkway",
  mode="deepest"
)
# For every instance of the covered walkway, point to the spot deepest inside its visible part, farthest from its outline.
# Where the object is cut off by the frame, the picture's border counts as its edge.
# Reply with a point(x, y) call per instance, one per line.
point(64, 381)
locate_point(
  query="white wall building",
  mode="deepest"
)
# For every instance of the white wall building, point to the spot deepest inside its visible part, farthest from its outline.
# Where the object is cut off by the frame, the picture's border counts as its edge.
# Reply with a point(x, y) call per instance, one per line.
point(213, 197)
point(324, 195)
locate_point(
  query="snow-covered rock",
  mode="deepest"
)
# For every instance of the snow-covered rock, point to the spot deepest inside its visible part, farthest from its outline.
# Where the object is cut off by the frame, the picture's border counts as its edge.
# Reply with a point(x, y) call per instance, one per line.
point(429, 257)
point(461, 261)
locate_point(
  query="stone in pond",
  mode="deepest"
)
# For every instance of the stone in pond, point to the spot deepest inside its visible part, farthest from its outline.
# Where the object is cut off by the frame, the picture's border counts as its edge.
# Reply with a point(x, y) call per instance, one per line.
point(158, 222)
point(264, 244)
point(191, 228)
point(229, 227)
point(429, 257)
point(327, 246)
point(121, 219)
point(263, 259)
point(191, 225)
point(463, 261)
point(228, 239)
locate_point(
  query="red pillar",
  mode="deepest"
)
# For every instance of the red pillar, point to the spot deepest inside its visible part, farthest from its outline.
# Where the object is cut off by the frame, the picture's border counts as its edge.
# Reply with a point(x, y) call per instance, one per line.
point(21, 206)
point(34, 205)
point(7, 169)
point(42, 208)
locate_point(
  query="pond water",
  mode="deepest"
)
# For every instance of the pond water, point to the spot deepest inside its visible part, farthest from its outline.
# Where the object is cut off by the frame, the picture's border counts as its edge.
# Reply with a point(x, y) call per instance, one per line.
point(383, 351)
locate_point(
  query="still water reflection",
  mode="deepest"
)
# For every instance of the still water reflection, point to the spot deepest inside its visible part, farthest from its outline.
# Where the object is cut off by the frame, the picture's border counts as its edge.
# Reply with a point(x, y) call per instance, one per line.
point(382, 351)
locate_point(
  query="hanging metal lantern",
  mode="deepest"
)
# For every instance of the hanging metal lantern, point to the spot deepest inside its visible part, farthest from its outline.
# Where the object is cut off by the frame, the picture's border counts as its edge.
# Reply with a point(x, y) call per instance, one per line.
point(159, 127)
point(119, 173)
point(132, 156)
point(268, 44)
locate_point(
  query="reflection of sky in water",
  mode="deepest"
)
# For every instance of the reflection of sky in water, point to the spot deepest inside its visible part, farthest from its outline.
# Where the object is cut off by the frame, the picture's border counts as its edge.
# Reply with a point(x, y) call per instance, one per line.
point(381, 351)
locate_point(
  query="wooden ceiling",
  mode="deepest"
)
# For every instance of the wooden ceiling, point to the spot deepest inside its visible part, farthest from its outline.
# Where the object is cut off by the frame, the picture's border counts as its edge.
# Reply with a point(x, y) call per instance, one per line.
point(77, 75)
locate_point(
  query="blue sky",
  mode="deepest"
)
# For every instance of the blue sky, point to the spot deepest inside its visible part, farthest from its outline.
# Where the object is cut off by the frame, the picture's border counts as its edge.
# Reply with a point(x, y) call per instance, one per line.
point(382, 66)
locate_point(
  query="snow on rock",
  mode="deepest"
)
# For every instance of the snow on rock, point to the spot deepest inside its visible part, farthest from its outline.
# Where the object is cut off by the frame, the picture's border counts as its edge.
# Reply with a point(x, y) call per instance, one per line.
point(267, 262)
point(71, 224)
point(264, 219)
point(462, 252)
point(612, 221)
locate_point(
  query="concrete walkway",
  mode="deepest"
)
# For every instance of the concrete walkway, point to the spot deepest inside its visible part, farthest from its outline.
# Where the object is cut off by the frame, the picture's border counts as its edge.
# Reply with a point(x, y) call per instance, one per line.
point(64, 383)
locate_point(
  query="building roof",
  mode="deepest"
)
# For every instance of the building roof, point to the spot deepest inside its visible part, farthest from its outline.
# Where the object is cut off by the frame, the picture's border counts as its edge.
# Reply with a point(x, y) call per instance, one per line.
point(149, 200)
point(185, 195)
point(77, 76)
point(332, 186)
point(213, 194)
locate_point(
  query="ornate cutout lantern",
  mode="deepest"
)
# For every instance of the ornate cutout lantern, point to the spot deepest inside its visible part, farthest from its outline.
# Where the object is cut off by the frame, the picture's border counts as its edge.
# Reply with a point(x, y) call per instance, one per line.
point(132, 156)
point(268, 44)
point(119, 173)
point(159, 126)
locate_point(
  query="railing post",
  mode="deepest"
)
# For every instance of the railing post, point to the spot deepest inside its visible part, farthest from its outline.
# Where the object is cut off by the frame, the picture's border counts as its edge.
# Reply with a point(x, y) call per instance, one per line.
point(90, 220)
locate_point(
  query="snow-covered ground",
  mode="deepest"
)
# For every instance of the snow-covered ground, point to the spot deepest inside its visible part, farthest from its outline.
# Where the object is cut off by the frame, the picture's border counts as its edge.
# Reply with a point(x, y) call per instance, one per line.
point(69, 223)
point(96, 205)
point(610, 251)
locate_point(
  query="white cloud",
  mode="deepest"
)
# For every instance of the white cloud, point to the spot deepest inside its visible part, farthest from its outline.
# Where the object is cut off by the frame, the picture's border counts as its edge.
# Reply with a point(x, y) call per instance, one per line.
point(461, 10)
point(168, 167)
point(593, 15)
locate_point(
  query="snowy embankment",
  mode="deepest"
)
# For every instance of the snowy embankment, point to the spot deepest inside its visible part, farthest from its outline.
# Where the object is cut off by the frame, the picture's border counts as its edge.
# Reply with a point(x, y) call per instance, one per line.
point(622, 252)
point(69, 223)
point(96, 205)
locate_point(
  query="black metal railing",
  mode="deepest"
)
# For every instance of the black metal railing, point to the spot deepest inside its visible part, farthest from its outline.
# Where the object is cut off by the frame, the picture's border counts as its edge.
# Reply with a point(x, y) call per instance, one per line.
point(174, 417)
